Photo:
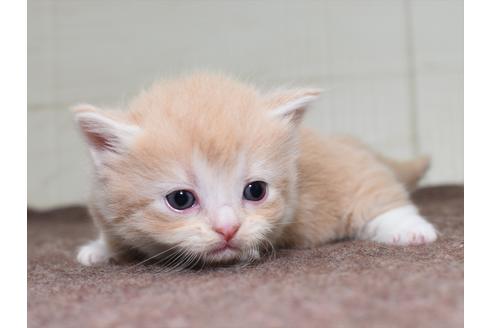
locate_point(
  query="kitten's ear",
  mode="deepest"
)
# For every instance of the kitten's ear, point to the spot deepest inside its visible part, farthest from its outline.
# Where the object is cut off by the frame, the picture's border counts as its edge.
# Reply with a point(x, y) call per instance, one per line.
point(105, 135)
point(291, 104)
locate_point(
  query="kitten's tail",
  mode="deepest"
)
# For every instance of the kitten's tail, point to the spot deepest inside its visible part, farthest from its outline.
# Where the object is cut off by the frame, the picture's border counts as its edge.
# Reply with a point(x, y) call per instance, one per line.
point(408, 172)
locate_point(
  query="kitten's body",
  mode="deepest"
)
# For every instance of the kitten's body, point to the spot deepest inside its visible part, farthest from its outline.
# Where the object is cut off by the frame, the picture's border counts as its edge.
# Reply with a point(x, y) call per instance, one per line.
point(213, 136)
point(343, 185)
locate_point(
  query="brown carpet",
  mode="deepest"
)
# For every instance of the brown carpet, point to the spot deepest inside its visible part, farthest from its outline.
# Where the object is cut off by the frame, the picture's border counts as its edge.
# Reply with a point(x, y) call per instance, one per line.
point(346, 284)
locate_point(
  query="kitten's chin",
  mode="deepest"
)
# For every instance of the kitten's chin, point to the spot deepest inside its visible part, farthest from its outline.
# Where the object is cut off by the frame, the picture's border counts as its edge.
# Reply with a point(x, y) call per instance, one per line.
point(223, 255)
point(230, 255)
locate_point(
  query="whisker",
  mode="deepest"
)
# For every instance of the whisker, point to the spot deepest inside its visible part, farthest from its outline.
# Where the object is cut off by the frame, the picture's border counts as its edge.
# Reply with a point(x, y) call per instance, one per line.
point(177, 260)
point(183, 264)
point(165, 261)
point(152, 257)
point(190, 257)
point(203, 262)
point(250, 256)
point(196, 258)
point(200, 259)
point(191, 261)
point(273, 253)
point(265, 248)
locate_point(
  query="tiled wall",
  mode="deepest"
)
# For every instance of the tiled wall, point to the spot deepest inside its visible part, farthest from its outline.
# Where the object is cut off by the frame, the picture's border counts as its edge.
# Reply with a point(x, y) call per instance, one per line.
point(392, 70)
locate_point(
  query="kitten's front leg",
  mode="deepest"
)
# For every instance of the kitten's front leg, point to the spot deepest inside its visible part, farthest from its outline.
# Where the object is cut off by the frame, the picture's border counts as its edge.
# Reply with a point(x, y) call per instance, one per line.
point(94, 252)
point(400, 226)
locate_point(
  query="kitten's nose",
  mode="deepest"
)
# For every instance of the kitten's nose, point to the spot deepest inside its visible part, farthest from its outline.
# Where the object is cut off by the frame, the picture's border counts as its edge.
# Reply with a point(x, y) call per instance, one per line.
point(227, 231)
point(225, 222)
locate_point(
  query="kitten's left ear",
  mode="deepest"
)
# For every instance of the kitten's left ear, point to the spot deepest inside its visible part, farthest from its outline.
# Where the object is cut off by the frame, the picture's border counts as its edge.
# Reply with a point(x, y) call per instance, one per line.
point(291, 104)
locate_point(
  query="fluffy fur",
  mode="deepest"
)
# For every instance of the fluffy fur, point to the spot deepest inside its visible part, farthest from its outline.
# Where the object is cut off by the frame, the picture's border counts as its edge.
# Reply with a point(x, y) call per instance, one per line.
point(212, 135)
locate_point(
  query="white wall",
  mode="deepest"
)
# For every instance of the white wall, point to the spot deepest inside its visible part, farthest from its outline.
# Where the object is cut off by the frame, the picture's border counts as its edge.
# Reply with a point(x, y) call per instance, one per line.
point(392, 70)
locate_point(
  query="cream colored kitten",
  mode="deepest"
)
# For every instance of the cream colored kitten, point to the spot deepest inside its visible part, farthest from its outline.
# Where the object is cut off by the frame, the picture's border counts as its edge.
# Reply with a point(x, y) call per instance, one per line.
point(207, 169)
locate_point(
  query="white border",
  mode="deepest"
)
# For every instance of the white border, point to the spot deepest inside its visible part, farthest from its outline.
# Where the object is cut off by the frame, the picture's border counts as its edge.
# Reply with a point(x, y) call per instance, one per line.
point(478, 163)
point(13, 86)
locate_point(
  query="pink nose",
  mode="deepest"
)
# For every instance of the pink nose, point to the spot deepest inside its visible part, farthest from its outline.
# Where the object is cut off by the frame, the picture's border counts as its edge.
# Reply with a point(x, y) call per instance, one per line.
point(227, 231)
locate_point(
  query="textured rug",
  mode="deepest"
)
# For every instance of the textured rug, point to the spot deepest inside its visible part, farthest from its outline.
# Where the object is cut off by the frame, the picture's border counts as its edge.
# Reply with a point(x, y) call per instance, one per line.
point(345, 284)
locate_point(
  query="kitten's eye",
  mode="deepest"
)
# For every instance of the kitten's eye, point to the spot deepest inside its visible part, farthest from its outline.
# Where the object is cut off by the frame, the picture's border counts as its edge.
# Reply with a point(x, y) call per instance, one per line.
point(181, 199)
point(255, 191)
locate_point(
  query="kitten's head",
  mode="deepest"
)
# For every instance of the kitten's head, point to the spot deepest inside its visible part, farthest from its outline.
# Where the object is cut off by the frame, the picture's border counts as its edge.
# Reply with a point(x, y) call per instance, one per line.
point(204, 164)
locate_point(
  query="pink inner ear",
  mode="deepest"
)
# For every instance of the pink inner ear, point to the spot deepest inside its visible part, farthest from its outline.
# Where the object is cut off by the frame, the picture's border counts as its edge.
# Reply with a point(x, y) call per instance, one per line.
point(99, 141)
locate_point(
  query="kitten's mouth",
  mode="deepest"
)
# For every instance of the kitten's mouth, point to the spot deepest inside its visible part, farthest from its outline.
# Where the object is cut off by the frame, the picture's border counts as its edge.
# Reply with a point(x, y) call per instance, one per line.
point(223, 249)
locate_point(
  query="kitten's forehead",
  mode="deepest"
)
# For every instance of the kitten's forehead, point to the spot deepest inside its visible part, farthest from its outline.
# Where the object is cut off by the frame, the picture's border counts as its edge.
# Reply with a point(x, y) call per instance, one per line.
point(220, 184)
point(216, 114)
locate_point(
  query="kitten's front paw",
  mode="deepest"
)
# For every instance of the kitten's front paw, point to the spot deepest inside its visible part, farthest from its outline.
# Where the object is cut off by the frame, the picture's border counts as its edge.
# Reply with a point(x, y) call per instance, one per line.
point(94, 253)
point(400, 226)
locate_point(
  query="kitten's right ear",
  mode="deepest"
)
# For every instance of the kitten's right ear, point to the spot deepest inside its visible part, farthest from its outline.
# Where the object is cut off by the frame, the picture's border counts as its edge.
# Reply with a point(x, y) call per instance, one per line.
point(105, 136)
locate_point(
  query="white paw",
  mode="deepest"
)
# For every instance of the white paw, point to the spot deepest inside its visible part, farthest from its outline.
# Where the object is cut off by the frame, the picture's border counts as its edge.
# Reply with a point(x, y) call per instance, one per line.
point(94, 253)
point(400, 226)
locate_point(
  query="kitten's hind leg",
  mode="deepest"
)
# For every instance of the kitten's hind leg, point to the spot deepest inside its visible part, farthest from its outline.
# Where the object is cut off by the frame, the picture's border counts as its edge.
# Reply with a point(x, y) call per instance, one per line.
point(399, 226)
point(94, 252)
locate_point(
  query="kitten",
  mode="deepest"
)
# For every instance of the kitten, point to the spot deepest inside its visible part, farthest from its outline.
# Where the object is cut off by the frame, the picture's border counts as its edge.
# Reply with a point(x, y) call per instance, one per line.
point(212, 170)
